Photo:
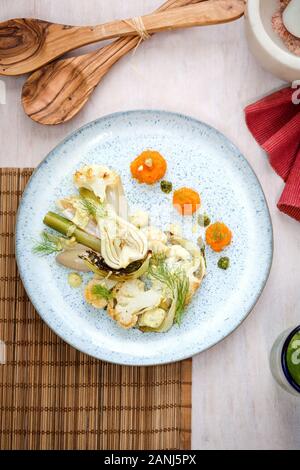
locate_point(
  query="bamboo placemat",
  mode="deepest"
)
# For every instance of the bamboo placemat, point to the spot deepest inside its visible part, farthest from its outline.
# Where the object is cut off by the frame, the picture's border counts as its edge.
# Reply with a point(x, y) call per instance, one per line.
point(54, 397)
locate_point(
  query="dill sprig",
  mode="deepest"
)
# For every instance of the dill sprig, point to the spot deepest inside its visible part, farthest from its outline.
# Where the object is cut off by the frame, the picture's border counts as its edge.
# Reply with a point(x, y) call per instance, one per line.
point(101, 291)
point(182, 293)
point(47, 245)
point(93, 208)
point(176, 282)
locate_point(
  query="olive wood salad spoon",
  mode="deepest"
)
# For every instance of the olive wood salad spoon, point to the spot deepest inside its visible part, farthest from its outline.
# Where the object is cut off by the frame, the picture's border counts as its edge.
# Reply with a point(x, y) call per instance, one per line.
point(28, 44)
point(57, 92)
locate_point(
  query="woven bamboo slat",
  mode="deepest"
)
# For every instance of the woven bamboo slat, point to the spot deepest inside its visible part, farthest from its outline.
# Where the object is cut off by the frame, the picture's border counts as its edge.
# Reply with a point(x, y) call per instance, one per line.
point(54, 397)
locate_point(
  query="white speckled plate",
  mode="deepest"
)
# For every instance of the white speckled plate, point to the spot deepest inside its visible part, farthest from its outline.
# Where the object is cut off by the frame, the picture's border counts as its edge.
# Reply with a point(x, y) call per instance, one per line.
point(198, 156)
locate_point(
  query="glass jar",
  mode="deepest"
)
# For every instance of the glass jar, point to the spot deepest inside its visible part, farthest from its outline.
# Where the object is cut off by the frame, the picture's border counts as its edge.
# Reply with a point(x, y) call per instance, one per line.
point(285, 360)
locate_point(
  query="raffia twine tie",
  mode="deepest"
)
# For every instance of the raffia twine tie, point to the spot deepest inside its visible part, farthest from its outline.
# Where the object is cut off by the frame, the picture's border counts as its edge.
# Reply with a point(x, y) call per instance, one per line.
point(138, 25)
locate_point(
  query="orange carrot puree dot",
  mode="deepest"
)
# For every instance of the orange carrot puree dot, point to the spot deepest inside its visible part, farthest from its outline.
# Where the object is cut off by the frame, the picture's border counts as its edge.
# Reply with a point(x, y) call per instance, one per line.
point(149, 167)
point(186, 200)
point(218, 236)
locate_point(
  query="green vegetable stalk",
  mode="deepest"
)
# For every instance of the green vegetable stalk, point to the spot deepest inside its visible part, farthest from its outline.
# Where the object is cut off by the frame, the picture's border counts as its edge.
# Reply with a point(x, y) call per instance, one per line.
point(67, 228)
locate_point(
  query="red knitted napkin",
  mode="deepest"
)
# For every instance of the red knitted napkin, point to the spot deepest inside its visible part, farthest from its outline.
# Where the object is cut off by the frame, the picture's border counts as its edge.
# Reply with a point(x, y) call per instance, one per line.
point(274, 122)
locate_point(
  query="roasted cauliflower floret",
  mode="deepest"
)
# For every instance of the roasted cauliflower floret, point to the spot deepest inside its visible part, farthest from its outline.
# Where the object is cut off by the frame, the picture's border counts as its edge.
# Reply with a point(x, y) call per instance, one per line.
point(130, 299)
point(152, 318)
point(96, 178)
point(174, 229)
point(157, 240)
point(178, 254)
point(158, 247)
point(140, 219)
point(155, 234)
point(98, 292)
point(72, 209)
point(105, 184)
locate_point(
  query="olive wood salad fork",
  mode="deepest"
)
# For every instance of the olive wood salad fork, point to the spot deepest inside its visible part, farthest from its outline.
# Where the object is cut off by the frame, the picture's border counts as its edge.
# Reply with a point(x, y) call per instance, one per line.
point(28, 44)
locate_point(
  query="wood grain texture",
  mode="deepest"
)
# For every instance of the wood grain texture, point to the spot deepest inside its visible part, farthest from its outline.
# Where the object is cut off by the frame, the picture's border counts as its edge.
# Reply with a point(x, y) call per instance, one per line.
point(28, 44)
point(57, 92)
point(207, 73)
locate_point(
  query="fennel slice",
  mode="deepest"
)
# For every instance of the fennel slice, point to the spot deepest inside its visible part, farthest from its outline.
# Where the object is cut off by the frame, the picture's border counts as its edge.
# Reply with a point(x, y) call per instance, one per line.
point(133, 271)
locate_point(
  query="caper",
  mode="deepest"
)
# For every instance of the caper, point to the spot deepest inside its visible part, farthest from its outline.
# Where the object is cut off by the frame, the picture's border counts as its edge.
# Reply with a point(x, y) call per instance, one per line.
point(166, 186)
point(203, 220)
point(224, 263)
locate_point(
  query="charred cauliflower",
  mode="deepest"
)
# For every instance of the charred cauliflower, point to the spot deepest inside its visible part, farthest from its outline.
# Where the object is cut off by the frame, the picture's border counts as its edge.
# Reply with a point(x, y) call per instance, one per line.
point(130, 300)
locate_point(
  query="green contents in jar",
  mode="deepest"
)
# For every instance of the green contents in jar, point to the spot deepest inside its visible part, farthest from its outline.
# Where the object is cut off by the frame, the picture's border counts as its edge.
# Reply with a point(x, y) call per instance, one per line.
point(293, 358)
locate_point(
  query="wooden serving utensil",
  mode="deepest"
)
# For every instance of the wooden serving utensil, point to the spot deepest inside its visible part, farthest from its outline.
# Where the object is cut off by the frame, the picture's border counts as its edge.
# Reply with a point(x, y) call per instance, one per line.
point(57, 92)
point(28, 44)
point(51, 104)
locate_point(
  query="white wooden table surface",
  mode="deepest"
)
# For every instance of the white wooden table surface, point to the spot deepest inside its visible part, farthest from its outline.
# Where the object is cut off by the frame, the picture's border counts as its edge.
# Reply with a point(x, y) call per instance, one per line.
point(207, 73)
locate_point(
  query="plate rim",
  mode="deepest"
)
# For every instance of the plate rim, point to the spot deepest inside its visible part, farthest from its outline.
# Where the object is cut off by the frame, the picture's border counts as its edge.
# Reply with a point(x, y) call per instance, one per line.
point(134, 361)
